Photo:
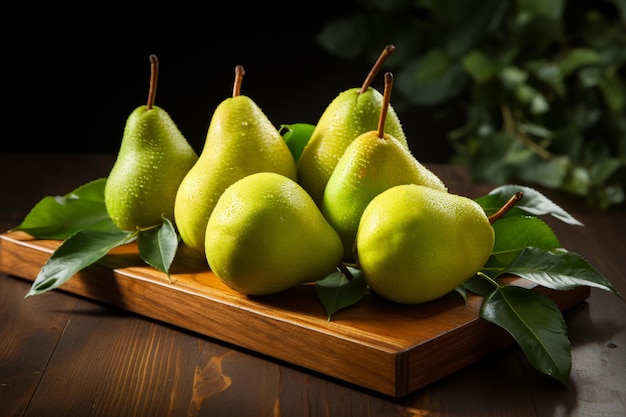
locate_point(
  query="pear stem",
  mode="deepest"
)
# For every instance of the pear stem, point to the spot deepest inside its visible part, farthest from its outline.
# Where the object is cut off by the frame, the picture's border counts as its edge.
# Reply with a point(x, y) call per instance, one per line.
point(345, 271)
point(385, 104)
point(506, 207)
point(377, 65)
point(154, 77)
point(239, 73)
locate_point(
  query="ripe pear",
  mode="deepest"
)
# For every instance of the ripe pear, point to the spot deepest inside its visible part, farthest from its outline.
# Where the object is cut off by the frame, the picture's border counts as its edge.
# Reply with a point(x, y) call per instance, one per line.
point(266, 235)
point(372, 163)
point(415, 243)
point(153, 158)
point(240, 140)
point(351, 113)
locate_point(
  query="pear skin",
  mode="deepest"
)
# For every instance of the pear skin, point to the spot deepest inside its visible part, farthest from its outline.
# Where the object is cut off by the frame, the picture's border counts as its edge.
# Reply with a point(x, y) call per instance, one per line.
point(240, 140)
point(416, 244)
point(153, 158)
point(370, 165)
point(266, 235)
point(351, 113)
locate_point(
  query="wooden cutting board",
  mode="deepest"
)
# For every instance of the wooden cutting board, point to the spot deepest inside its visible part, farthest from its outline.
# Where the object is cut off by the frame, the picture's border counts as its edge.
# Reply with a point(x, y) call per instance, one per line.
point(386, 347)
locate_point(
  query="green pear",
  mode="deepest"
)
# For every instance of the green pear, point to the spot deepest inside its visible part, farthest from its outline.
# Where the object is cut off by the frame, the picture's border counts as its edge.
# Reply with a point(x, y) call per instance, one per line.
point(372, 163)
point(266, 235)
point(415, 243)
point(153, 158)
point(351, 113)
point(240, 140)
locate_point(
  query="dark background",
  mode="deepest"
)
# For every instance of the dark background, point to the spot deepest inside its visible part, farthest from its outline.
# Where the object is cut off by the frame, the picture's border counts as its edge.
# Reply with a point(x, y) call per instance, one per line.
point(73, 74)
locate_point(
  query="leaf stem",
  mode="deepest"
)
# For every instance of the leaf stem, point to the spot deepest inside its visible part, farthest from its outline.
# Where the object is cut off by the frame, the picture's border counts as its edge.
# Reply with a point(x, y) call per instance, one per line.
point(491, 280)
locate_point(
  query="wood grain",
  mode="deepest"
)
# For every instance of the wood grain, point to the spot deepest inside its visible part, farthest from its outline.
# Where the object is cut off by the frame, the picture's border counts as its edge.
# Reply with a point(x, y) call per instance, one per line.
point(386, 347)
point(27, 353)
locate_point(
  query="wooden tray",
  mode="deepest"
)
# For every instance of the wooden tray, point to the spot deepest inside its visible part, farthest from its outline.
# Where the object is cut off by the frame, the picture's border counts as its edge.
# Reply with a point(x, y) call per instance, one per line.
point(389, 348)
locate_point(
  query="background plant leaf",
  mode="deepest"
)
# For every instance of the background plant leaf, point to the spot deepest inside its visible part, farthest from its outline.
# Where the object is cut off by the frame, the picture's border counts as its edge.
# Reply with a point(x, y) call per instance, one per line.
point(536, 324)
point(558, 269)
point(157, 246)
point(78, 251)
point(60, 217)
point(432, 79)
point(337, 292)
point(507, 57)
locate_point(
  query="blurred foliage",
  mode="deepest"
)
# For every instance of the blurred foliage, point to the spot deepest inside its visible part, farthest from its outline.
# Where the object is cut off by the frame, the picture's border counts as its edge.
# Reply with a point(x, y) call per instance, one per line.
point(542, 83)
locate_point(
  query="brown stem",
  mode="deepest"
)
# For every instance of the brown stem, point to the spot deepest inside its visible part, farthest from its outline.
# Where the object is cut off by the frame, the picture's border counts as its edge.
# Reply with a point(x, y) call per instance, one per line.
point(506, 207)
point(377, 65)
point(154, 77)
point(239, 73)
point(344, 270)
point(385, 104)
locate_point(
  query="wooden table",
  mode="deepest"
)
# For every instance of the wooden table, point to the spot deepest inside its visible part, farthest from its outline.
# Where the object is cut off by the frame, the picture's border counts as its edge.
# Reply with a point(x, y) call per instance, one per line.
point(64, 355)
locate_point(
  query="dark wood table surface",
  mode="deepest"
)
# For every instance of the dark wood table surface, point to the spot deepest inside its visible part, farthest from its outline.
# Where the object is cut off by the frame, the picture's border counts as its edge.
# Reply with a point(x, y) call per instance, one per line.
point(64, 355)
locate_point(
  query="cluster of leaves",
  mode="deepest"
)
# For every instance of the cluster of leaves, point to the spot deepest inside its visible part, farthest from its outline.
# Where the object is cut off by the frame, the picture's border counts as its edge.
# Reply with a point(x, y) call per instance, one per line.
point(525, 246)
point(541, 83)
point(80, 219)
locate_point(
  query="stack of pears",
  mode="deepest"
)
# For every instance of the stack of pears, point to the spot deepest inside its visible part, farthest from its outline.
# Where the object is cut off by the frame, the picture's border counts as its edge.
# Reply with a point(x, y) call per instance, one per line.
point(240, 141)
point(373, 162)
point(266, 223)
point(351, 113)
point(154, 157)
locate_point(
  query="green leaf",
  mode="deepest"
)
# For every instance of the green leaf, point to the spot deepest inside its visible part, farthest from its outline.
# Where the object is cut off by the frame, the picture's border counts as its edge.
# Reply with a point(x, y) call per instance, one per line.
point(157, 246)
point(513, 76)
point(296, 136)
point(345, 37)
point(512, 236)
point(432, 79)
point(473, 21)
point(614, 92)
point(522, 231)
point(480, 66)
point(479, 285)
point(546, 172)
point(551, 9)
point(80, 250)
point(558, 269)
point(533, 202)
point(462, 291)
point(61, 216)
point(577, 58)
point(337, 292)
point(536, 324)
